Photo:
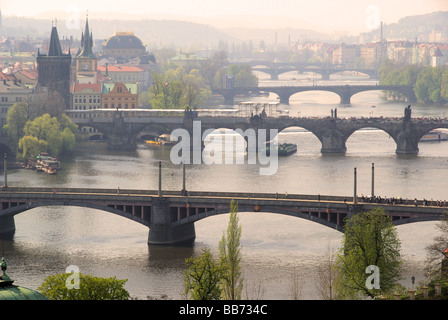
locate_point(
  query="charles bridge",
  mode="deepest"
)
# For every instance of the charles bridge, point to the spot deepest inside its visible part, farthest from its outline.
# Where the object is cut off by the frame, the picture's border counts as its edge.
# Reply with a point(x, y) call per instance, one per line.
point(170, 215)
point(123, 127)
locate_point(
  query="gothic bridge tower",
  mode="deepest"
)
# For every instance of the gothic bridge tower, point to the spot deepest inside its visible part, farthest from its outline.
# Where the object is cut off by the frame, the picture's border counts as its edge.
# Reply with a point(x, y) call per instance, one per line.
point(54, 69)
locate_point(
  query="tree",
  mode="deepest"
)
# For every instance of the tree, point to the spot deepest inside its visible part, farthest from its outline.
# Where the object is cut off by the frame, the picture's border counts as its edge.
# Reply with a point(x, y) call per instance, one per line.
point(230, 256)
point(243, 76)
point(203, 278)
point(90, 288)
point(48, 129)
point(435, 251)
point(327, 275)
point(370, 243)
point(17, 116)
point(68, 140)
point(177, 90)
point(31, 146)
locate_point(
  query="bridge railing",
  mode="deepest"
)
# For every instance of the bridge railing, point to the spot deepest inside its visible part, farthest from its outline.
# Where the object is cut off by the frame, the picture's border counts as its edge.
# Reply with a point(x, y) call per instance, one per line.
point(244, 110)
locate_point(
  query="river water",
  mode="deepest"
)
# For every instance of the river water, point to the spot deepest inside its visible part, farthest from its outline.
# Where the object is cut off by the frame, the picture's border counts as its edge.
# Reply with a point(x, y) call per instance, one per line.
point(274, 247)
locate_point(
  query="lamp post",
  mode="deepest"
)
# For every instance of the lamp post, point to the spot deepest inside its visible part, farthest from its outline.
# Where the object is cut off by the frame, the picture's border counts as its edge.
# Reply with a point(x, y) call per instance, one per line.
point(5, 170)
point(373, 180)
point(184, 190)
point(355, 198)
point(160, 179)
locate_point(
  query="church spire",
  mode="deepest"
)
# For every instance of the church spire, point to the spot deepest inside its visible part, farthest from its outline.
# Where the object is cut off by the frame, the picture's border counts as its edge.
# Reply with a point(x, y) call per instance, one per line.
point(87, 42)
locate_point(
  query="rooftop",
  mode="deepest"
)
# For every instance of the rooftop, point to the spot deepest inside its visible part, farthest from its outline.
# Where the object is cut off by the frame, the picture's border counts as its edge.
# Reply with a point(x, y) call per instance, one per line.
point(119, 69)
point(8, 291)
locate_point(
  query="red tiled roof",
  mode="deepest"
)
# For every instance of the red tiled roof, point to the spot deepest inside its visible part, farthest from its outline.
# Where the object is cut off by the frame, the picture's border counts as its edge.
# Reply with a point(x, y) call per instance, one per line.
point(81, 86)
point(4, 76)
point(119, 69)
point(30, 74)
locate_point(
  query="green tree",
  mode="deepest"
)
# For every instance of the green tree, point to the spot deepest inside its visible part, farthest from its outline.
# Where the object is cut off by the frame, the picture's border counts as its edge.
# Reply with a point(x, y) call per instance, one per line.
point(444, 85)
point(30, 147)
point(17, 116)
point(203, 278)
point(230, 256)
point(68, 140)
point(370, 239)
point(243, 76)
point(177, 90)
point(90, 288)
point(46, 128)
point(428, 86)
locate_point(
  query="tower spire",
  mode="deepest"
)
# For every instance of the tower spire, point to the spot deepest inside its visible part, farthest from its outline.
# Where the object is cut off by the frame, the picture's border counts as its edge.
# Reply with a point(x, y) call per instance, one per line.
point(87, 41)
point(54, 49)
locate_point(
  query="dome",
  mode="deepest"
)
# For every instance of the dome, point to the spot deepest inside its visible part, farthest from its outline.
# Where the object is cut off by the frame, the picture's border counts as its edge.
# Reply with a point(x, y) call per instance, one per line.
point(13, 292)
point(124, 40)
point(8, 291)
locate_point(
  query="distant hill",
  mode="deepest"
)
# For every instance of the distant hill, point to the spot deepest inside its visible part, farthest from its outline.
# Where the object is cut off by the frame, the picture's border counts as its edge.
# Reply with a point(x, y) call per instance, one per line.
point(158, 33)
point(410, 28)
point(153, 33)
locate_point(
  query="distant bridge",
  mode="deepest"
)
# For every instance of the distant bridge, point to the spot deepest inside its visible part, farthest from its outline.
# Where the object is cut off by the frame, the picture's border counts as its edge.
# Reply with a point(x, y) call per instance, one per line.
point(285, 92)
point(170, 215)
point(274, 69)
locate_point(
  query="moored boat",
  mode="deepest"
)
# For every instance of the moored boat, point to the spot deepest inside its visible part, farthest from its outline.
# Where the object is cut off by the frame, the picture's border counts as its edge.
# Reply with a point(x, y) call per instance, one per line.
point(48, 163)
point(435, 135)
point(283, 149)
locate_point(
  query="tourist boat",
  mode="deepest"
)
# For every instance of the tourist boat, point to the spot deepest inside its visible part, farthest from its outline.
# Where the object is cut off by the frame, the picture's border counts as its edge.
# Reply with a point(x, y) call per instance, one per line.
point(284, 149)
point(47, 163)
point(165, 140)
point(162, 140)
point(49, 170)
point(152, 142)
point(435, 135)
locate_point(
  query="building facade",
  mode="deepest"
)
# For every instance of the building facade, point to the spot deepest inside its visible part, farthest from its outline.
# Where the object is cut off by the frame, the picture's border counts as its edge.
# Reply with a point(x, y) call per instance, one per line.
point(119, 96)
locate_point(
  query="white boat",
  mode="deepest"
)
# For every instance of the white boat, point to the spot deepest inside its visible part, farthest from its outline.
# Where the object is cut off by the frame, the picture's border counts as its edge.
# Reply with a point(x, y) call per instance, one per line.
point(435, 135)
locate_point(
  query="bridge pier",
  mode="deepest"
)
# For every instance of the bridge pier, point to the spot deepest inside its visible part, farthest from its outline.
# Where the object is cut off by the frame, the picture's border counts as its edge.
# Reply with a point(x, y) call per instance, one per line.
point(7, 227)
point(121, 141)
point(284, 98)
point(332, 142)
point(161, 232)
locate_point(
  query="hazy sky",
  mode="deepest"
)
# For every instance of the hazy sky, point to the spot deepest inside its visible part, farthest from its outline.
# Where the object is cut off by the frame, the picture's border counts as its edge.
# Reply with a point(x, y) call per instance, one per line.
point(359, 15)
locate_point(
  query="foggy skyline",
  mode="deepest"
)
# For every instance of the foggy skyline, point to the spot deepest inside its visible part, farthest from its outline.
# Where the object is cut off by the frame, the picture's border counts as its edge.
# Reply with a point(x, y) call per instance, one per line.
point(352, 16)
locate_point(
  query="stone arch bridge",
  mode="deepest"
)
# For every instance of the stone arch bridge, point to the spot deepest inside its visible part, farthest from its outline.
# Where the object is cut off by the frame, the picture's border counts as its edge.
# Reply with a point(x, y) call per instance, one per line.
point(170, 215)
point(123, 126)
point(344, 92)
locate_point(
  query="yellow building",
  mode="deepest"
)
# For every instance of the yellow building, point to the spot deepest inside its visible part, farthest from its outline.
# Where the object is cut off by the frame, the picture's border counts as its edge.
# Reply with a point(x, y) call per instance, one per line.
point(119, 96)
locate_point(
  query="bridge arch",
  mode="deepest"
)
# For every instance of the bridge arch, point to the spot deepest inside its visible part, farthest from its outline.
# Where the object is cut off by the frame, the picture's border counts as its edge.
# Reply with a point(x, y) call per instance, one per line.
point(15, 210)
point(384, 137)
point(299, 135)
point(313, 92)
point(435, 127)
point(305, 216)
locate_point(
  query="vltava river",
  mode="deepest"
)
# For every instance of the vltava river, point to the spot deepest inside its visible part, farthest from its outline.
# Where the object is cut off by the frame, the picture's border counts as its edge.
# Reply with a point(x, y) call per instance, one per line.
point(274, 247)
